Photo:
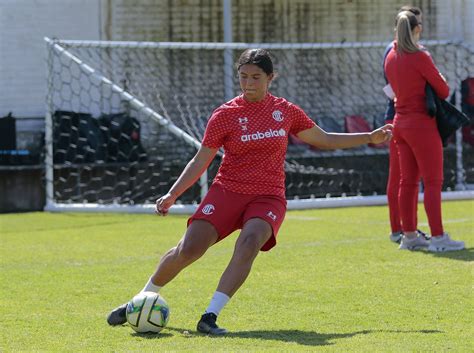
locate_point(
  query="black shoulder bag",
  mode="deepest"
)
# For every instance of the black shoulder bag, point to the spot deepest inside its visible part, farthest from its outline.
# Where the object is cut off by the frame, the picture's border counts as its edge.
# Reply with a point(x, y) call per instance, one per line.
point(448, 117)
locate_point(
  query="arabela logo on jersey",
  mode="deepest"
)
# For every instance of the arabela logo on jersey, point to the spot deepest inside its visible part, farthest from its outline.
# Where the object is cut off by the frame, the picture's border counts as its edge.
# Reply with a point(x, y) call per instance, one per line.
point(208, 209)
point(277, 115)
point(263, 135)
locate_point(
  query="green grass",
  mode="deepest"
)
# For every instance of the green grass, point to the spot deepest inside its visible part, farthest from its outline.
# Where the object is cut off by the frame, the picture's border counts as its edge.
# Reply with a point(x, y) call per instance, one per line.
point(334, 283)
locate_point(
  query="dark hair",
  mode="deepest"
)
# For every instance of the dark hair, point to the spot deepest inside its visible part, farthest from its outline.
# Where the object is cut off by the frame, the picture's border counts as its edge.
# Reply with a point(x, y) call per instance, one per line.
point(414, 10)
point(259, 57)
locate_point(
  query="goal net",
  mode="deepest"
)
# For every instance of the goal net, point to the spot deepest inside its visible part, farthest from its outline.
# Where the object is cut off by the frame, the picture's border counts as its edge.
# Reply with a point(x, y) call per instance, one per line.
point(124, 118)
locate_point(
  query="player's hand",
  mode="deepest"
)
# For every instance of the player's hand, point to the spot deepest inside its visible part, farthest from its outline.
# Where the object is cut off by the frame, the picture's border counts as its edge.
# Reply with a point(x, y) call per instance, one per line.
point(163, 204)
point(381, 134)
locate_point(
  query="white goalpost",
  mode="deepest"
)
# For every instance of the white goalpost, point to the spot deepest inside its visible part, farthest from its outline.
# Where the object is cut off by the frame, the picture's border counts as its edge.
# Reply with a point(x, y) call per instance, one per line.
point(124, 118)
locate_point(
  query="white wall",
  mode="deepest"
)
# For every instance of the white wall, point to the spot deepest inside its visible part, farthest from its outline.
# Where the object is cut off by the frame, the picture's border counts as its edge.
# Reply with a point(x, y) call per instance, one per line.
point(23, 24)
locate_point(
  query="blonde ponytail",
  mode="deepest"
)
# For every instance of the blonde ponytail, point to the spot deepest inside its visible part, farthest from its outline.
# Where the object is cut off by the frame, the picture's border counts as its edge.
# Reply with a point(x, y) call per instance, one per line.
point(406, 22)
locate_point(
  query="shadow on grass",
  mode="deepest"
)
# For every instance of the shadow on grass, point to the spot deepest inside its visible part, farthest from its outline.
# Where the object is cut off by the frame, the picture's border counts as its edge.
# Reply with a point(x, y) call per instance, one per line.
point(151, 335)
point(307, 338)
point(461, 255)
point(311, 338)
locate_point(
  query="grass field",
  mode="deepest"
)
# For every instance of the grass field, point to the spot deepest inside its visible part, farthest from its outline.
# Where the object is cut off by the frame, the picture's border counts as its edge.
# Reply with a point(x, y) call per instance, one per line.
point(334, 283)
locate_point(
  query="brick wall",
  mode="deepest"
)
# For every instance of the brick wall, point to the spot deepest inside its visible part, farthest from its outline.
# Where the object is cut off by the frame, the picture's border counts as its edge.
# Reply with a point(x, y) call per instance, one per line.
point(164, 20)
point(281, 20)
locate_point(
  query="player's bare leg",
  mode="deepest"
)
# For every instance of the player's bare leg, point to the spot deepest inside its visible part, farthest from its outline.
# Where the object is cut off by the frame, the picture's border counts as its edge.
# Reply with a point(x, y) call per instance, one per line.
point(254, 235)
point(199, 236)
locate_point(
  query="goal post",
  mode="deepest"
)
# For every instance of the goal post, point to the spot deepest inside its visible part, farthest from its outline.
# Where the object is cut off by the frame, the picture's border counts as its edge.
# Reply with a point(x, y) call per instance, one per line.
point(140, 108)
point(124, 118)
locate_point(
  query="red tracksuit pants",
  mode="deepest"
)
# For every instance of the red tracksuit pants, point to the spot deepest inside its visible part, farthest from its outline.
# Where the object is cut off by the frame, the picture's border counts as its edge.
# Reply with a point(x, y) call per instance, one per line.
point(393, 189)
point(420, 153)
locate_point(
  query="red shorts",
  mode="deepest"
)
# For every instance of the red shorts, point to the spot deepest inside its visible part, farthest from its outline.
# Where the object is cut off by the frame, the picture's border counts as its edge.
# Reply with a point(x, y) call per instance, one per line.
point(228, 211)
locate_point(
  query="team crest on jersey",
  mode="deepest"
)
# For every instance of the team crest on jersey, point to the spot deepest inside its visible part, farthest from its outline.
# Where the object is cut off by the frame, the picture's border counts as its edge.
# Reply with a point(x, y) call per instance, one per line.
point(277, 115)
point(208, 209)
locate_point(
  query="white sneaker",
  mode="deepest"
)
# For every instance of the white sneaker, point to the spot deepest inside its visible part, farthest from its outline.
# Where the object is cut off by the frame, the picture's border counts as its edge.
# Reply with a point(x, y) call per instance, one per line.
point(444, 243)
point(396, 237)
point(416, 243)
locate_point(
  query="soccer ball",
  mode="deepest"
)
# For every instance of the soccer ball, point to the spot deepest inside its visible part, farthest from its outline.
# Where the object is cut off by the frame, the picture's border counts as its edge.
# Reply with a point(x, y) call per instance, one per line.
point(148, 312)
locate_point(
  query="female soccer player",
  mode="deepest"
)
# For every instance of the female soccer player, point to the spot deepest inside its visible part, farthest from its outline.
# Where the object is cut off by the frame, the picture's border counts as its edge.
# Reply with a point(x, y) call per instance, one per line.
point(248, 192)
point(408, 68)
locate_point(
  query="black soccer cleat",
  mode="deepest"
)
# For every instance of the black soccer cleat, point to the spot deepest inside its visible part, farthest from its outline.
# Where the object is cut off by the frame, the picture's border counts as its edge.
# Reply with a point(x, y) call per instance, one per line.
point(118, 315)
point(207, 325)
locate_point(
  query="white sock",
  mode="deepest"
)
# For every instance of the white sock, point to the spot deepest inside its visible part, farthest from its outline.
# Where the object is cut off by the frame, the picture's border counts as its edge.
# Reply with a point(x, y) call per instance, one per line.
point(151, 287)
point(218, 301)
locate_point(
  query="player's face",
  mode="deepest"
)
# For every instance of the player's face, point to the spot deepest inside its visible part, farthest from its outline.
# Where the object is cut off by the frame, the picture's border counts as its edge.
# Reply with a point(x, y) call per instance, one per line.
point(254, 82)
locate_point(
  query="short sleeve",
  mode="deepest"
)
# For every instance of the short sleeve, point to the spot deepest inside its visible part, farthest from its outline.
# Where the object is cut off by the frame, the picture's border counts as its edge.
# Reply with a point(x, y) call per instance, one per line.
point(216, 131)
point(299, 120)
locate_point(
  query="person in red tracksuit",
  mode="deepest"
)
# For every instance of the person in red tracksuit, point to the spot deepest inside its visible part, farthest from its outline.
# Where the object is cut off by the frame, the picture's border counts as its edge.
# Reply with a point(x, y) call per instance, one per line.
point(248, 192)
point(393, 183)
point(408, 68)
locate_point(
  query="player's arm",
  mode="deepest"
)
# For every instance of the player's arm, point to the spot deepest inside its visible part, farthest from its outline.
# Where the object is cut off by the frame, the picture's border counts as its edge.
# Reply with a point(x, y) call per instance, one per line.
point(191, 173)
point(430, 72)
point(328, 140)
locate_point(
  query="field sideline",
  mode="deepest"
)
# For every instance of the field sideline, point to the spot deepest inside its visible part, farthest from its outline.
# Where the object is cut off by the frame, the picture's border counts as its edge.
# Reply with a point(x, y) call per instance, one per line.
point(334, 283)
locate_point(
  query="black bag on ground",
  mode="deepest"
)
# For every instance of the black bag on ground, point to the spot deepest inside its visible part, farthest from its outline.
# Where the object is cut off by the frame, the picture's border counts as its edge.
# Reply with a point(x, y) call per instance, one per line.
point(448, 117)
point(122, 134)
point(77, 138)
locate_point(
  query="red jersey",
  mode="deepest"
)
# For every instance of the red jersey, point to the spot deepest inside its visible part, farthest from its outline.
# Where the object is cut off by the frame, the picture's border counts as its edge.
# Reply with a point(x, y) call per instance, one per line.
point(255, 139)
point(408, 74)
